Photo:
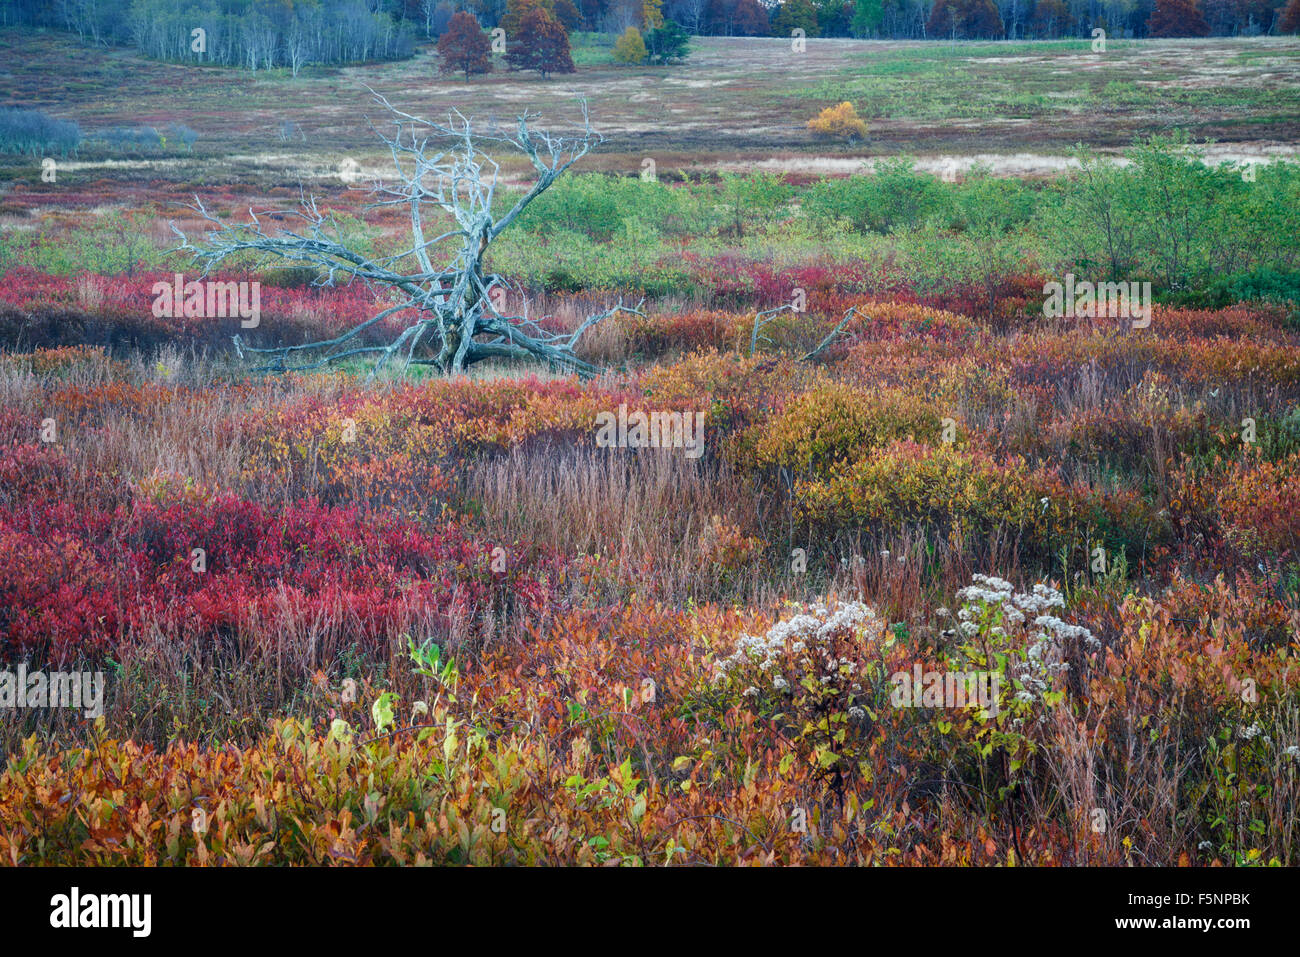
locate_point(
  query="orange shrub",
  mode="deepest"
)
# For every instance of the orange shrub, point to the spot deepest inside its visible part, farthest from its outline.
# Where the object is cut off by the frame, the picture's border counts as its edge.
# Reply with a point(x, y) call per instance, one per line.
point(1260, 508)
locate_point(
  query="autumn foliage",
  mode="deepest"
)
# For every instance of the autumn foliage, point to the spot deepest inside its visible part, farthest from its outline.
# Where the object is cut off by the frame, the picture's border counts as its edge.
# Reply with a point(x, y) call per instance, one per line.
point(839, 122)
point(1289, 20)
point(541, 45)
point(630, 48)
point(1177, 18)
point(455, 630)
point(464, 48)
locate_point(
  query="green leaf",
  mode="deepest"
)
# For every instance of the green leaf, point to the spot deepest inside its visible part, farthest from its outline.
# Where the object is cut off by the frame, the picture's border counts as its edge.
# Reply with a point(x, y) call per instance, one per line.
point(339, 730)
point(382, 711)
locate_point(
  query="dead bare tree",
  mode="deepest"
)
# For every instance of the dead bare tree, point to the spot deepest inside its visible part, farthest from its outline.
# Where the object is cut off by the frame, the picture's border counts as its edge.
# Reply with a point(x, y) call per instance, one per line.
point(765, 318)
point(443, 279)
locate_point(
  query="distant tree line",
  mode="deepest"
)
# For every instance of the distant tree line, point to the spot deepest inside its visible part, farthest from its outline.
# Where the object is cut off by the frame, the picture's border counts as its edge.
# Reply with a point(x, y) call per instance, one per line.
point(998, 19)
point(293, 33)
point(256, 34)
point(907, 19)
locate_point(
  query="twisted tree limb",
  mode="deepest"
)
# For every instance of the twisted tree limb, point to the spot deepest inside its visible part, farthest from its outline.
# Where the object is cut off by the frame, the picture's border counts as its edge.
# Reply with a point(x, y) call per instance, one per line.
point(441, 171)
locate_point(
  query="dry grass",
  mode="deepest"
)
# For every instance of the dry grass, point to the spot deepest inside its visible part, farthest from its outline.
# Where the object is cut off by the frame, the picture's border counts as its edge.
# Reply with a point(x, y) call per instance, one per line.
point(736, 102)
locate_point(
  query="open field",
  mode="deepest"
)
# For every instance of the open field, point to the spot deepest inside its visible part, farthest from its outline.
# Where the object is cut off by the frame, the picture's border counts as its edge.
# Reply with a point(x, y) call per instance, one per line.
point(463, 614)
point(735, 101)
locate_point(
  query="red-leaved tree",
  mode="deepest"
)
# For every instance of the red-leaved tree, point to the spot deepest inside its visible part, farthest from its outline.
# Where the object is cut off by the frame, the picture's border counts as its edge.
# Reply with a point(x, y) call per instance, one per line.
point(541, 44)
point(464, 48)
point(1177, 18)
point(1289, 22)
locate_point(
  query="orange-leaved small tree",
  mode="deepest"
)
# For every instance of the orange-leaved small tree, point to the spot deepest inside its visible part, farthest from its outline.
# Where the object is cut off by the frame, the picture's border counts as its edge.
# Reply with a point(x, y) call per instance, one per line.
point(464, 48)
point(541, 44)
point(839, 122)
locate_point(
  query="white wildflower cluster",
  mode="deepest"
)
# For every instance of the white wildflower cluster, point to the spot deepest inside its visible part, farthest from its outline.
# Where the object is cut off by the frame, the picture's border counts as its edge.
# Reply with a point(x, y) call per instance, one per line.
point(1255, 731)
point(1046, 636)
point(807, 645)
point(987, 589)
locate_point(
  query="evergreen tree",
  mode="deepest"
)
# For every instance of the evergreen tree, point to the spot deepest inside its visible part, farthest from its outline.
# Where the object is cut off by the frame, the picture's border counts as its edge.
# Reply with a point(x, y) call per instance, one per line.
point(795, 15)
point(668, 44)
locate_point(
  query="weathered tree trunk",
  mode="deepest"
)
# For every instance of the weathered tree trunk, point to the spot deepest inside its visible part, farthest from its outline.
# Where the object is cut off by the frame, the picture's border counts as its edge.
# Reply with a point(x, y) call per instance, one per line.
point(456, 323)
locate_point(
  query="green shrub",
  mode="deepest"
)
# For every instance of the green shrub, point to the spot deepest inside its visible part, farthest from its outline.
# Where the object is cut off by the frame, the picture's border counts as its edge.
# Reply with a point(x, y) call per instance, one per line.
point(894, 195)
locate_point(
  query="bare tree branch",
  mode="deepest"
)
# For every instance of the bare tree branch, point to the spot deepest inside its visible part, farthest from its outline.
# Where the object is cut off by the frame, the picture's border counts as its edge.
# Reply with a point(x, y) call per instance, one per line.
point(834, 334)
point(761, 321)
point(441, 172)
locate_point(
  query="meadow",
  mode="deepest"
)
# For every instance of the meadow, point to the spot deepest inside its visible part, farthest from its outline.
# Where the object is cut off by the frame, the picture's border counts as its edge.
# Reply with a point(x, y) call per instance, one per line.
point(422, 619)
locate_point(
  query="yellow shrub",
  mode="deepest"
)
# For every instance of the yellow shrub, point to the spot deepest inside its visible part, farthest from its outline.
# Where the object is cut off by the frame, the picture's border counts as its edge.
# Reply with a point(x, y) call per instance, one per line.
point(836, 424)
point(907, 483)
point(839, 122)
point(630, 48)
